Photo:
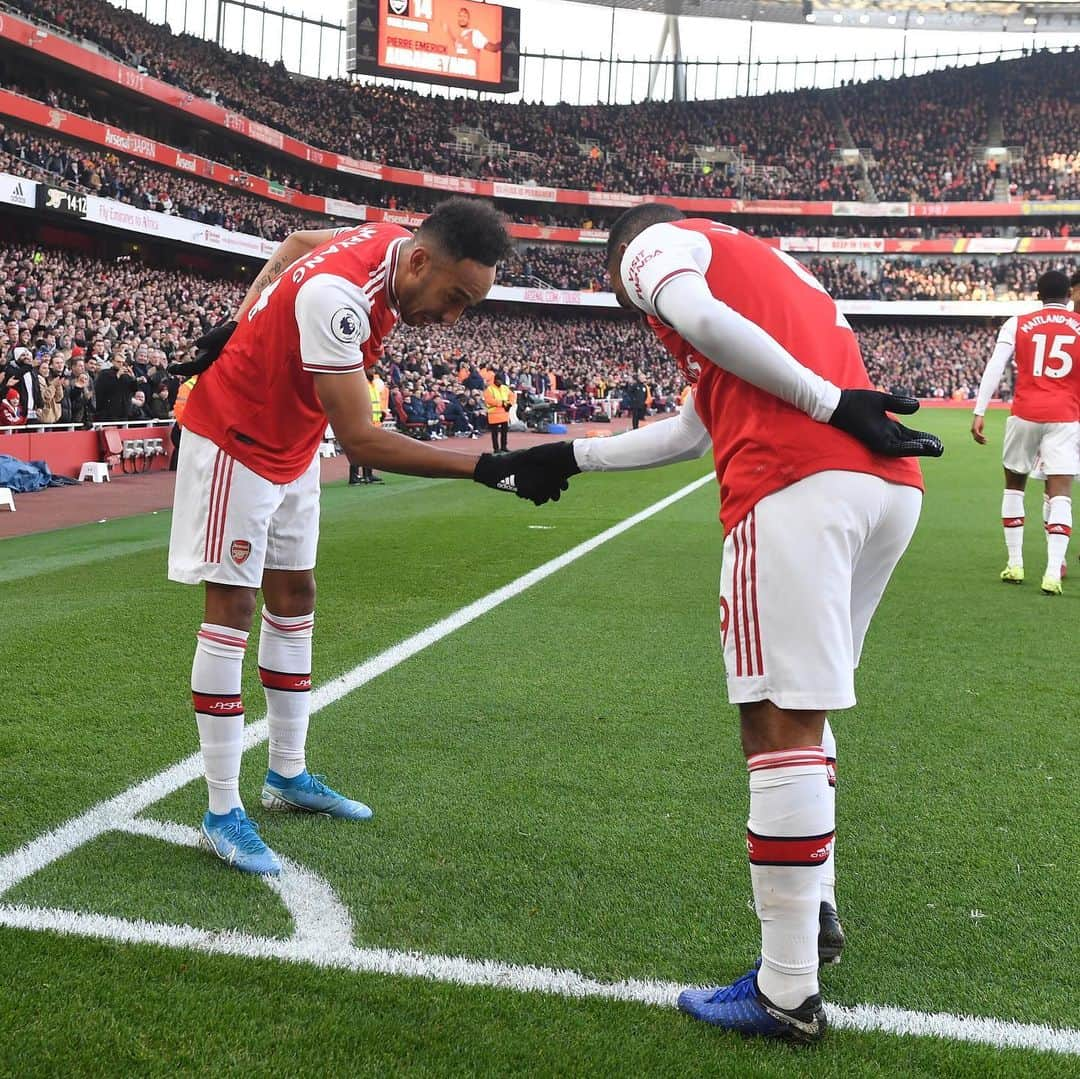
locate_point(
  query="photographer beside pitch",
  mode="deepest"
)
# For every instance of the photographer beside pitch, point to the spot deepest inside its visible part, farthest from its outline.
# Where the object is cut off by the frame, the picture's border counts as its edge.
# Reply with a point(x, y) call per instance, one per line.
point(814, 523)
point(246, 508)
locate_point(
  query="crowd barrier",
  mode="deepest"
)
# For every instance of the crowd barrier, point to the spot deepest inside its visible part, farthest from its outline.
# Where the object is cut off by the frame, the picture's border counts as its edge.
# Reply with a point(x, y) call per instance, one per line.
point(64, 447)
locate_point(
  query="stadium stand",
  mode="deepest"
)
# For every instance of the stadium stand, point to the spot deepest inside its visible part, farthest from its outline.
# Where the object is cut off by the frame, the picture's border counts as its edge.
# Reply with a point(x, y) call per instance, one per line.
point(922, 133)
point(97, 172)
point(83, 314)
point(1038, 108)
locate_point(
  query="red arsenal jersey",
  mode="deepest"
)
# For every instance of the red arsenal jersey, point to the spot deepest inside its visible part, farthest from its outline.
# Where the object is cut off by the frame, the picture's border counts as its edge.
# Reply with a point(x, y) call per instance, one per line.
point(327, 313)
point(1046, 347)
point(760, 443)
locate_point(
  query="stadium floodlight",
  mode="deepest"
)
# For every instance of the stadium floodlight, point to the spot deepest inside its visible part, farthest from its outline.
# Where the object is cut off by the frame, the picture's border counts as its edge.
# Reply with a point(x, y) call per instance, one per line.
point(1030, 18)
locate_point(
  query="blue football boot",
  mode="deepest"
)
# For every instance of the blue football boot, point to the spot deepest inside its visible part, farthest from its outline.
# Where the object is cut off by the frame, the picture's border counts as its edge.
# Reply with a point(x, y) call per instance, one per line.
point(235, 840)
point(742, 1007)
point(306, 793)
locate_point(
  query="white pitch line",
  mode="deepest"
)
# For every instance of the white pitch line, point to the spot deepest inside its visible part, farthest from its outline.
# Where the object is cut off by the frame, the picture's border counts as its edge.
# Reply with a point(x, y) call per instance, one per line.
point(455, 970)
point(38, 853)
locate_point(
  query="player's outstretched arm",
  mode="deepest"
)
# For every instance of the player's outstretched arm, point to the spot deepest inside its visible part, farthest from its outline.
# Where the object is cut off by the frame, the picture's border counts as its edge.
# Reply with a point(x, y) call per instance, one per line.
point(681, 438)
point(347, 402)
point(543, 472)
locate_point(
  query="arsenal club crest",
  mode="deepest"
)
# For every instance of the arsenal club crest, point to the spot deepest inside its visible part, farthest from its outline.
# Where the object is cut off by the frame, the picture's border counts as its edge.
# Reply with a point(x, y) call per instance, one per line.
point(239, 550)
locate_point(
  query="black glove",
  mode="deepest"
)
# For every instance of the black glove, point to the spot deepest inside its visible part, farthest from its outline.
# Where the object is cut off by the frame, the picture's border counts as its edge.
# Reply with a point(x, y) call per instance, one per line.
point(207, 349)
point(553, 461)
point(524, 474)
point(863, 414)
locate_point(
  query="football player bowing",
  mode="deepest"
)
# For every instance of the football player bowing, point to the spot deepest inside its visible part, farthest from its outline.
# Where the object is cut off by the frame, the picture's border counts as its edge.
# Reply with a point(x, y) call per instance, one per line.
point(815, 521)
point(246, 512)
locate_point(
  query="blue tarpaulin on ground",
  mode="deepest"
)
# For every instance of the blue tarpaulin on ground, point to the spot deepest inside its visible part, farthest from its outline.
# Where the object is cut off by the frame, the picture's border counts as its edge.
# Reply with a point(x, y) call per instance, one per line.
point(23, 476)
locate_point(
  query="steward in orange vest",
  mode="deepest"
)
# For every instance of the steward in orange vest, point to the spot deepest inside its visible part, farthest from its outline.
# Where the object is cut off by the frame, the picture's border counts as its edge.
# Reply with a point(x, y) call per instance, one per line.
point(498, 399)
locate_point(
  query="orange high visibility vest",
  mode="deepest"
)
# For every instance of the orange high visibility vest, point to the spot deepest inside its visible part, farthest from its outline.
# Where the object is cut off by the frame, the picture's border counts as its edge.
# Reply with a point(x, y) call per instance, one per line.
point(498, 400)
point(182, 396)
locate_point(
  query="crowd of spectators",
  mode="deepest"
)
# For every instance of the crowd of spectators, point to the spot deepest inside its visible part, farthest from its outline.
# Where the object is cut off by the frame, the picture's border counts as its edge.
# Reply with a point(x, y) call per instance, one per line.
point(149, 187)
point(934, 279)
point(919, 129)
point(943, 358)
point(88, 340)
point(845, 277)
point(33, 152)
point(555, 266)
point(1038, 104)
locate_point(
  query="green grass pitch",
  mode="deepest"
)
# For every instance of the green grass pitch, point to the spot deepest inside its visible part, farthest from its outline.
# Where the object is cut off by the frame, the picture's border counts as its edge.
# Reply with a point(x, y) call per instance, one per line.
point(556, 784)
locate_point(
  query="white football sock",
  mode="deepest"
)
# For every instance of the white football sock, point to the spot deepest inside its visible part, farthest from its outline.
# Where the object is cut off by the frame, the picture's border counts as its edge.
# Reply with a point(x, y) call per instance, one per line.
point(828, 870)
point(1058, 531)
point(219, 711)
point(285, 672)
point(789, 834)
point(1012, 520)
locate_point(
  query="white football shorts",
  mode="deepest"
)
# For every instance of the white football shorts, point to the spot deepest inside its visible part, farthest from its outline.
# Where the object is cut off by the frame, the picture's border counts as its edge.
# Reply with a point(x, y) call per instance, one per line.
point(802, 576)
point(1051, 449)
point(229, 523)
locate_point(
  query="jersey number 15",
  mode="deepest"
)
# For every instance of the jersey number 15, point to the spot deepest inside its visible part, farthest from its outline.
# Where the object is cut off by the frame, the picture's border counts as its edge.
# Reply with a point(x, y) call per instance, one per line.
point(1058, 344)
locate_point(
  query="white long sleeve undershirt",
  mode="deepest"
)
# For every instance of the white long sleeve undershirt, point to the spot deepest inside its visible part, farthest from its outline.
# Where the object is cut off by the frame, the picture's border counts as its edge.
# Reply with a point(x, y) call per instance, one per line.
point(991, 379)
point(742, 347)
point(730, 341)
point(682, 438)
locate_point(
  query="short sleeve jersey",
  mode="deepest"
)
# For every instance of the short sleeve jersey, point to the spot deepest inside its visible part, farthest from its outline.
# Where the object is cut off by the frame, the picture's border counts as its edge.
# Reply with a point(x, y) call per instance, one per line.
point(327, 313)
point(760, 443)
point(470, 41)
point(1046, 347)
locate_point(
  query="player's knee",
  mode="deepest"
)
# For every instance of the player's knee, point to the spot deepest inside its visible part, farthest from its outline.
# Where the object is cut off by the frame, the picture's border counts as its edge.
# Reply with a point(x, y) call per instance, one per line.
point(227, 605)
point(768, 729)
point(289, 594)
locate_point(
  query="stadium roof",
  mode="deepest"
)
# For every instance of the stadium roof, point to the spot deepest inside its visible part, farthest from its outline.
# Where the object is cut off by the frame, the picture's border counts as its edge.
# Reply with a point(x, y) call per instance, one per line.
point(1044, 16)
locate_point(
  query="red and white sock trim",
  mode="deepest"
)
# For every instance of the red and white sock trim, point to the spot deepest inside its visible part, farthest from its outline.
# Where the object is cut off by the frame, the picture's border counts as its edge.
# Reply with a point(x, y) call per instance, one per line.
point(806, 756)
point(289, 683)
point(1012, 522)
point(807, 850)
point(217, 704)
point(299, 624)
point(222, 635)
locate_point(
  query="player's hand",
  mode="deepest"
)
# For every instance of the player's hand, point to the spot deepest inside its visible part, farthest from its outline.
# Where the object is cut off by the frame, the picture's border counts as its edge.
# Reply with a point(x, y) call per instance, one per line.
point(514, 472)
point(552, 464)
point(207, 349)
point(977, 430)
point(864, 414)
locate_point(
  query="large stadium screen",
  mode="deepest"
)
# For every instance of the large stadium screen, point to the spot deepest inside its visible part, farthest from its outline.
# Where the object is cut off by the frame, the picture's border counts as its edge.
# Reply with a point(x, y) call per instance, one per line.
point(453, 42)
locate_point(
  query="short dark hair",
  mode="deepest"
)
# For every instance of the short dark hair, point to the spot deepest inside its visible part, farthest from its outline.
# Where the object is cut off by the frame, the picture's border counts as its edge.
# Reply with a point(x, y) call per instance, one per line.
point(467, 229)
point(629, 223)
point(1053, 286)
point(1075, 279)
